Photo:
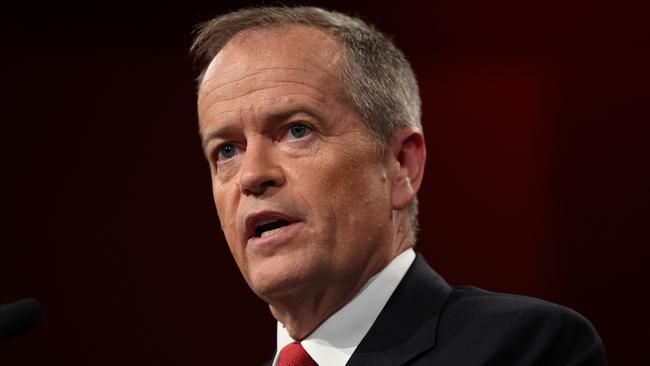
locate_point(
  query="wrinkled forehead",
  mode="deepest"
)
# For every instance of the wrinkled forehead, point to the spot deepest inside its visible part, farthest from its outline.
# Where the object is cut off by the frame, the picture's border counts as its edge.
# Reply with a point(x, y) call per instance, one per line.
point(282, 47)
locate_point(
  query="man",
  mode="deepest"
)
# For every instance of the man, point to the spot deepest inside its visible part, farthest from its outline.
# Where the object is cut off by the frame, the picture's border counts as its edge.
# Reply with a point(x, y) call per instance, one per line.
point(310, 121)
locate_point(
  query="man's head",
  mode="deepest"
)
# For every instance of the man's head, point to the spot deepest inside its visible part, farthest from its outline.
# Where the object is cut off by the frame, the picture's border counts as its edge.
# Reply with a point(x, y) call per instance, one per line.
point(378, 81)
point(311, 123)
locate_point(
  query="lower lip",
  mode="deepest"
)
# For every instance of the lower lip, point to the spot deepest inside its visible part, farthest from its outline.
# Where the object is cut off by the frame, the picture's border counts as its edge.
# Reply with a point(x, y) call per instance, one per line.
point(279, 236)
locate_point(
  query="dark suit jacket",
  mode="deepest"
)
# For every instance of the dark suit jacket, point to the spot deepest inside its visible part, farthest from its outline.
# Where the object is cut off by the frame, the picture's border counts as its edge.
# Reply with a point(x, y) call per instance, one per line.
point(427, 322)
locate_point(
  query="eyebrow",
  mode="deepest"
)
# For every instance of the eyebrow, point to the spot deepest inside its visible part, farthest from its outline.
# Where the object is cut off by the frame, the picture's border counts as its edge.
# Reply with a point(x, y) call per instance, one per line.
point(229, 129)
point(220, 132)
point(286, 114)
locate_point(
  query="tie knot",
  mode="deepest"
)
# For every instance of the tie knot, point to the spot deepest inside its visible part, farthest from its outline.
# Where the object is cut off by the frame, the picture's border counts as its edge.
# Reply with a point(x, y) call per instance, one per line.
point(294, 354)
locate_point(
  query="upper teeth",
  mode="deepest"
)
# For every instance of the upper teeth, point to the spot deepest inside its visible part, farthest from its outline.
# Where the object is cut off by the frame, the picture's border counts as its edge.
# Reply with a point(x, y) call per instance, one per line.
point(266, 221)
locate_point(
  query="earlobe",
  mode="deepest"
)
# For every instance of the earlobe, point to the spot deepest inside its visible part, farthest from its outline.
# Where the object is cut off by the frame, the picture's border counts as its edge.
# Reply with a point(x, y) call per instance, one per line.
point(408, 154)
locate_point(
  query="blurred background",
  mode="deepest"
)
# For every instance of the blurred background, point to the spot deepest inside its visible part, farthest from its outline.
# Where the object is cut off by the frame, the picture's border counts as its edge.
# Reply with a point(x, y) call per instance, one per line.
point(537, 182)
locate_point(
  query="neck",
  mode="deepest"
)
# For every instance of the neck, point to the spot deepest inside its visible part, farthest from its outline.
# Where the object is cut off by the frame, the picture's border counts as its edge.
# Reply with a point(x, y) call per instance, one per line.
point(307, 310)
point(302, 316)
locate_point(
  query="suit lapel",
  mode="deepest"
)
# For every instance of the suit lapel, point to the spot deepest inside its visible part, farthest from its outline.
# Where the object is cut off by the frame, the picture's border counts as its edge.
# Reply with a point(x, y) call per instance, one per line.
point(407, 325)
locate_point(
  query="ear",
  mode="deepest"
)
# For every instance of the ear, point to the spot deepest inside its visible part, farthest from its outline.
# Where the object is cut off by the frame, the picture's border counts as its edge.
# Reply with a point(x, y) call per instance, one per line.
point(407, 157)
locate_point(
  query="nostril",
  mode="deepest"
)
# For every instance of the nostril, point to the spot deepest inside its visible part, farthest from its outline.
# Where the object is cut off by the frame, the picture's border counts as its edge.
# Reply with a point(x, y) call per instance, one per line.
point(260, 188)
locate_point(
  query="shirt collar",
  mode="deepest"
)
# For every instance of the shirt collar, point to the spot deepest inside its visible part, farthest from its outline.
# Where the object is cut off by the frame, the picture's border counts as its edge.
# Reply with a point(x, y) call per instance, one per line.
point(334, 341)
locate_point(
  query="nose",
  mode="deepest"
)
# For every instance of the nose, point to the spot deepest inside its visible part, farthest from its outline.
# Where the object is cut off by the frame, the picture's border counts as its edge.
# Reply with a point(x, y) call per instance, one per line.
point(259, 171)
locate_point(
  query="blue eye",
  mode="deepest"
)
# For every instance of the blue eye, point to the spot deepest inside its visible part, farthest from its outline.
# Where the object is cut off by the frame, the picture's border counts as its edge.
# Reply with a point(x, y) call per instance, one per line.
point(226, 151)
point(299, 130)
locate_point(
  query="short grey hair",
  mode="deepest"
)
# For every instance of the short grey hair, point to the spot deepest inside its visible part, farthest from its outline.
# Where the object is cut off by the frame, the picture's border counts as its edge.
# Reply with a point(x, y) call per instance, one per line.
point(378, 81)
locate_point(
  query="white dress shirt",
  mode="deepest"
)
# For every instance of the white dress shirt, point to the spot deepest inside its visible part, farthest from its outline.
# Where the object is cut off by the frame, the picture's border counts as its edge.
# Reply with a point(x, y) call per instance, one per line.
point(334, 341)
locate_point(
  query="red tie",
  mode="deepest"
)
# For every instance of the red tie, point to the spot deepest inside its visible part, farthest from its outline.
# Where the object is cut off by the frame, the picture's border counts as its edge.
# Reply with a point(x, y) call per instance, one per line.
point(294, 355)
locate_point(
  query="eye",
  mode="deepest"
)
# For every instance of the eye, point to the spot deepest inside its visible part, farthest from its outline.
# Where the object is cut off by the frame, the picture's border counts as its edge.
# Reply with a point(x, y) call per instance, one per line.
point(298, 130)
point(226, 151)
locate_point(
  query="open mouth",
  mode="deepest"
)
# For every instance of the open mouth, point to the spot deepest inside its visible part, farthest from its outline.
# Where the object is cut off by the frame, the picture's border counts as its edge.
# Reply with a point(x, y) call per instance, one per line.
point(267, 223)
point(269, 228)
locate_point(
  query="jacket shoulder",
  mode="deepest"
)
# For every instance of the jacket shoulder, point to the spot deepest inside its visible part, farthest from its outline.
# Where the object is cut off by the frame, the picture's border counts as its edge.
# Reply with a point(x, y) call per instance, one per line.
point(512, 329)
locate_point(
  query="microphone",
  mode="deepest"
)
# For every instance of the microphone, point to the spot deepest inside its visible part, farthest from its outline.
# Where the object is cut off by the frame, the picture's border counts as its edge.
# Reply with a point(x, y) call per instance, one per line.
point(19, 316)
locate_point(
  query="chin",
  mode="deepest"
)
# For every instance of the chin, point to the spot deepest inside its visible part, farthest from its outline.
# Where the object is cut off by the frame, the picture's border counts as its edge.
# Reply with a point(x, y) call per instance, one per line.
point(274, 278)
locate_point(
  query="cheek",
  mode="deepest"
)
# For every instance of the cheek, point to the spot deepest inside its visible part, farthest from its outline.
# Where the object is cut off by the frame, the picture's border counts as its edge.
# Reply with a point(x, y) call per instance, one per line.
point(353, 176)
point(226, 206)
point(335, 175)
point(354, 192)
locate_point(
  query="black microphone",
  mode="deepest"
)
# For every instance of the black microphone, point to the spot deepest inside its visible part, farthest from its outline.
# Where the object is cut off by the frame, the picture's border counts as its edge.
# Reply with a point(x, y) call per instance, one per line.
point(18, 317)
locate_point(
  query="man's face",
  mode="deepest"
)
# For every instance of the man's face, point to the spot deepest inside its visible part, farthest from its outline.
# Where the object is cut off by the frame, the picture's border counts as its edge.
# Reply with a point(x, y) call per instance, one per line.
point(302, 195)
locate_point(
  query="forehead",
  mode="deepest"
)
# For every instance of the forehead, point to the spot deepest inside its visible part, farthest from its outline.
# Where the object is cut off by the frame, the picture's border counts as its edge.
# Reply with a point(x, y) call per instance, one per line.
point(262, 67)
point(279, 49)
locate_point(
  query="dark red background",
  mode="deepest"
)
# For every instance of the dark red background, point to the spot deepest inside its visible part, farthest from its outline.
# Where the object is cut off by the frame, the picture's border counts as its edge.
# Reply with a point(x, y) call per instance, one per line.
point(536, 119)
